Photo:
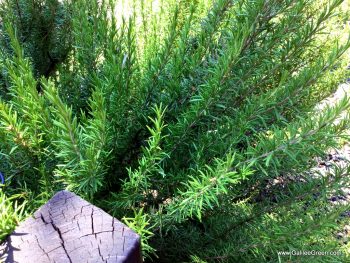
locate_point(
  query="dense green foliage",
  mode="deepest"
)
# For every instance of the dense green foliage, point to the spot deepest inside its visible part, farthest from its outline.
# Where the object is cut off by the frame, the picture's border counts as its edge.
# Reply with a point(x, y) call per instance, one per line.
point(194, 121)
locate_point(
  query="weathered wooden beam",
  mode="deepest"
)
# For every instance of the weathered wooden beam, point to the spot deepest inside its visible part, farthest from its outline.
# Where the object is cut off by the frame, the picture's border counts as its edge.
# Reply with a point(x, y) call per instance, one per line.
point(69, 229)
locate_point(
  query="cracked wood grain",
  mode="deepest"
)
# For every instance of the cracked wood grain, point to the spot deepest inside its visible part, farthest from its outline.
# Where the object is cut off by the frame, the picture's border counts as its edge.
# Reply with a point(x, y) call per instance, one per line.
point(68, 229)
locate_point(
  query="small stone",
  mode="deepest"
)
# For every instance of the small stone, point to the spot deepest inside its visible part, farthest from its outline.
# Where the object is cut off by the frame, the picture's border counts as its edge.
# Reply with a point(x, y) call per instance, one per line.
point(340, 235)
point(328, 164)
point(334, 199)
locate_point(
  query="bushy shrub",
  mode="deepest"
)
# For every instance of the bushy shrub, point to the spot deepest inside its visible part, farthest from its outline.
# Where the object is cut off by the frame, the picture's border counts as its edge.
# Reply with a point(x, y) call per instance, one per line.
point(10, 214)
point(179, 117)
